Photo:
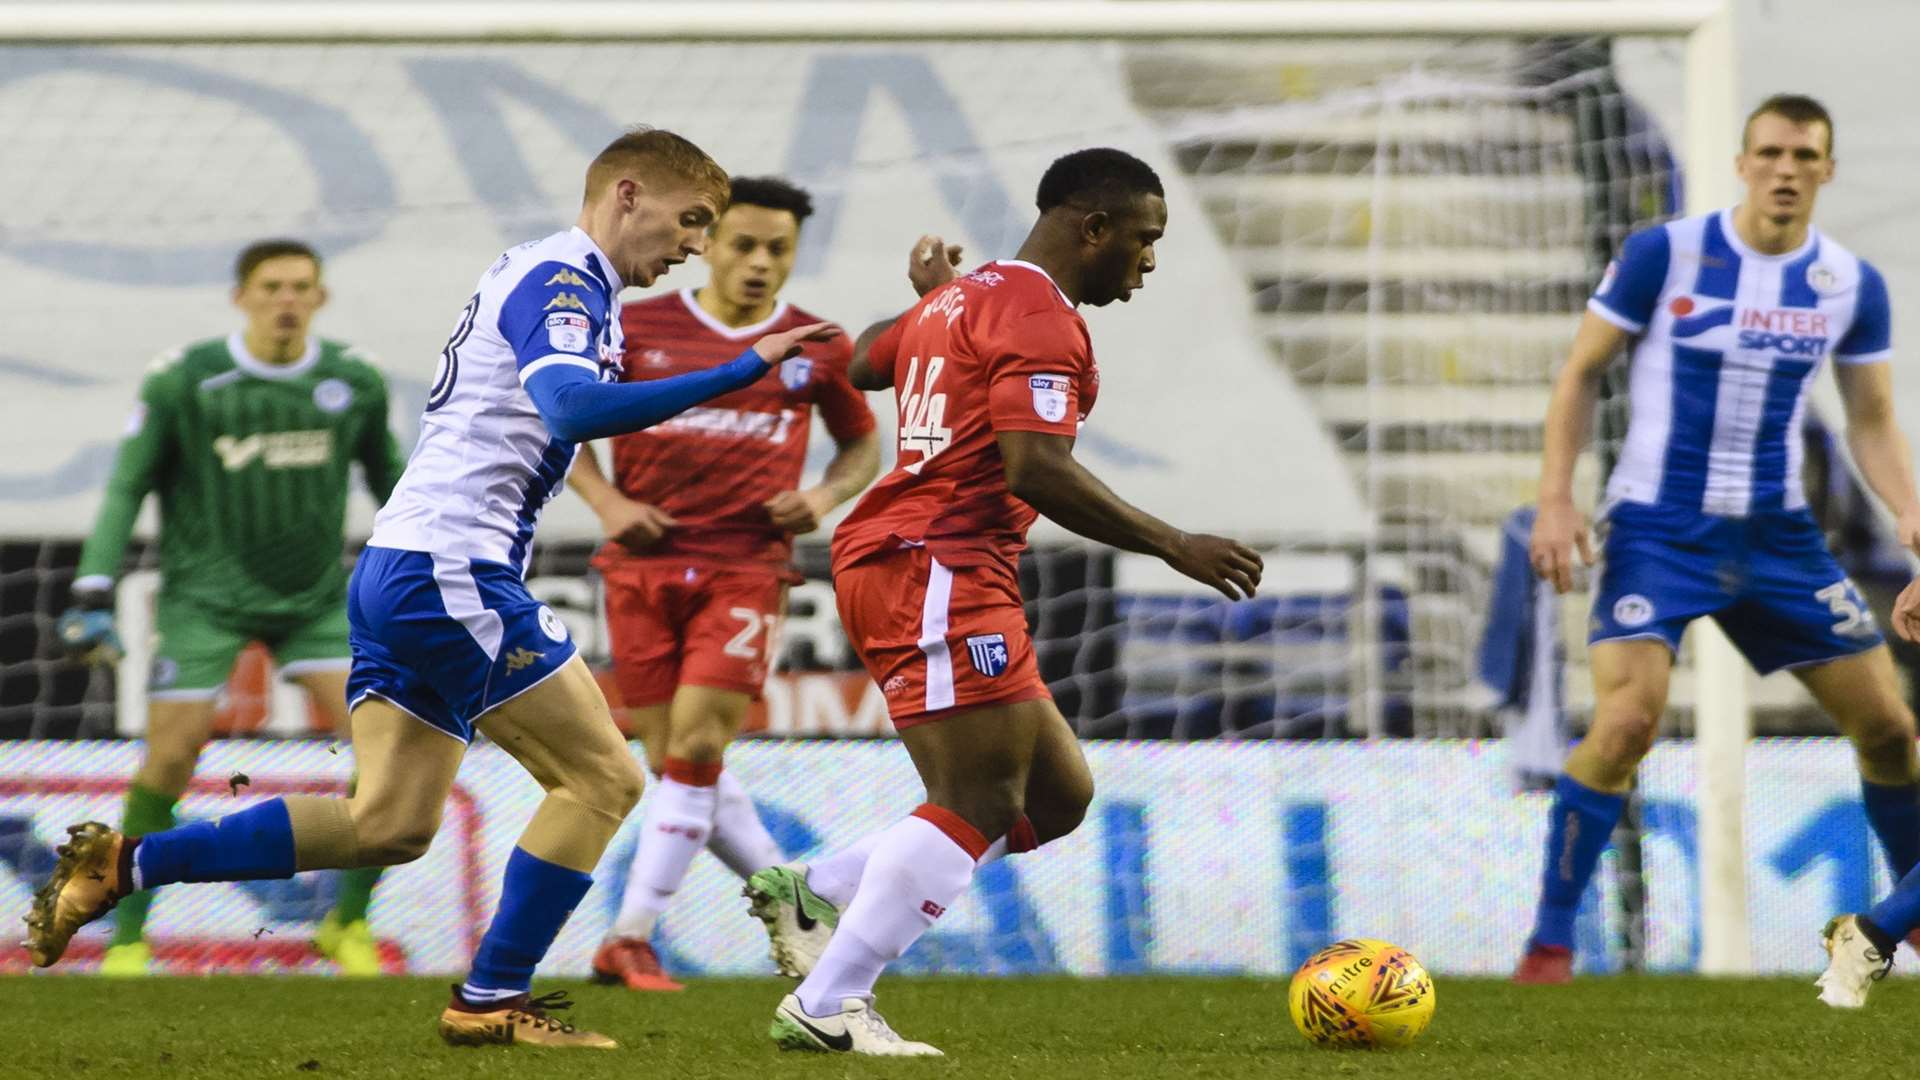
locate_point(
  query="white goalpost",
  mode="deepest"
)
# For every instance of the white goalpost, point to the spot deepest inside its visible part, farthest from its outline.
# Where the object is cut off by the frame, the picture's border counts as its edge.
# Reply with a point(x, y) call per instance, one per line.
point(1379, 226)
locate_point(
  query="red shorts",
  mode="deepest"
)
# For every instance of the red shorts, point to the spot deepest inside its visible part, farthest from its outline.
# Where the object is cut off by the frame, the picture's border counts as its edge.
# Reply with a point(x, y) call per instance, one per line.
point(936, 638)
point(676, 625)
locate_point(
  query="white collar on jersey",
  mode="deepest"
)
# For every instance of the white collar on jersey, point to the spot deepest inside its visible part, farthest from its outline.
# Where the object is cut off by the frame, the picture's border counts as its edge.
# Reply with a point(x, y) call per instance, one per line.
point(732, 332)
point(253, 365)
point(1732, 232)
point(1042, 273)
point(606, 264)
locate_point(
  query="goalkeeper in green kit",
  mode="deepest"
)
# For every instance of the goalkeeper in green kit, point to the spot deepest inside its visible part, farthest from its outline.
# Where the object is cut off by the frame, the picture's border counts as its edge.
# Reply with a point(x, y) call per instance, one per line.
point(247, 441)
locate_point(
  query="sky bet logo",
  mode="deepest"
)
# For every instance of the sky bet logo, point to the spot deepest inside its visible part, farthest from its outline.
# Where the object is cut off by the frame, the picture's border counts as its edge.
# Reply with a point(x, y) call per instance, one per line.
point(1783, 331)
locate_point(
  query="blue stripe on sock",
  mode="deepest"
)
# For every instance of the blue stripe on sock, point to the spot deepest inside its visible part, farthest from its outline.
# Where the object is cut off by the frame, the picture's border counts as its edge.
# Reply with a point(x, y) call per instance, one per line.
point(536, 897)
point(1579, 826)
point(251, 845)
point(1894, 812)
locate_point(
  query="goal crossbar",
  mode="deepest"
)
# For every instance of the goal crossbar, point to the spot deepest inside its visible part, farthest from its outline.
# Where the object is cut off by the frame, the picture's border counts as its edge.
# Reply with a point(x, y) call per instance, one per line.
point(857, 20)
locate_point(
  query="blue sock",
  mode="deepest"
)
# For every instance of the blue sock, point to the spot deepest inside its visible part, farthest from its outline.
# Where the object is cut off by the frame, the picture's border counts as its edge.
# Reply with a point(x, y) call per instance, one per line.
point(1894, 811)
point(250, 845)
point(536, 897)
point(1582, 819)
point(1899, 913)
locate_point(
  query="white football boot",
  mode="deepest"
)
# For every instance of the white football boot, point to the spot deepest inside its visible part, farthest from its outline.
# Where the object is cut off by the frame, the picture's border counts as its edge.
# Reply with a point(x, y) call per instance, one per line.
point(855, 1029)
point(799, 921)
point(1854, 964)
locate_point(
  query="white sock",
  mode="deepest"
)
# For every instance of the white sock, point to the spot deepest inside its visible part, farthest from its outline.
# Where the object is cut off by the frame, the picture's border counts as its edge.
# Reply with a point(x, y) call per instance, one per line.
point(739, 839)
point(836, 876)
point(917, 870)
point(679, 817)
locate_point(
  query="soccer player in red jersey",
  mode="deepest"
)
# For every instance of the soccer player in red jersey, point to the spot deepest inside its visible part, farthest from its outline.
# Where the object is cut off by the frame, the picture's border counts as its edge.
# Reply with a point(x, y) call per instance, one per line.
point(994, 373)
point(700, 518)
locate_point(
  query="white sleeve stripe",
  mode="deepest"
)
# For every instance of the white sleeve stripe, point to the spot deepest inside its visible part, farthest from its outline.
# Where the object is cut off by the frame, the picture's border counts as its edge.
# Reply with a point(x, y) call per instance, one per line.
point(1851, 358)
point(551, 359)
point(1599, 308)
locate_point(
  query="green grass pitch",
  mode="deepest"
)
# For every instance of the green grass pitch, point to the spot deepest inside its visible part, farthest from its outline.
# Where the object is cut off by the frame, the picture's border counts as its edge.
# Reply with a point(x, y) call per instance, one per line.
point(1028, 1029)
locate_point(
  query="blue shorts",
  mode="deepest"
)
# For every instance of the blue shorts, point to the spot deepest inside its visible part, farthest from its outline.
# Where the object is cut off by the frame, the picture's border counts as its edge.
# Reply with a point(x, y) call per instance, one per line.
point(447, 638)
point(1768, 580)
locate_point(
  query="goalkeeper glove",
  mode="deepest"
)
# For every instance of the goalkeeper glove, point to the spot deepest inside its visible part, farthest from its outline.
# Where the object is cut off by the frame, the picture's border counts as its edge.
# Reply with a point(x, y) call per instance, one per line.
point(86, 628)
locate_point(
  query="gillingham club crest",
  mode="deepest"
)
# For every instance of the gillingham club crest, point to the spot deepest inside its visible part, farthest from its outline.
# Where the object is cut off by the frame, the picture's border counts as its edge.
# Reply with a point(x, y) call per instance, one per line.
point(988, 653)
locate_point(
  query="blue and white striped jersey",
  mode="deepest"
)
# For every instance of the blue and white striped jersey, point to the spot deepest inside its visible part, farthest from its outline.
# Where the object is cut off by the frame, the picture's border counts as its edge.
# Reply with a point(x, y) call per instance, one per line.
point(1729, 343)
point(486, 462)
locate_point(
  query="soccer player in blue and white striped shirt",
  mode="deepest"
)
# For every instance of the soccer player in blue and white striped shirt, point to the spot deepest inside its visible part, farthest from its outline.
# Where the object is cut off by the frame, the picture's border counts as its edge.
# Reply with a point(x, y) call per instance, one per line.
point(1729, 316)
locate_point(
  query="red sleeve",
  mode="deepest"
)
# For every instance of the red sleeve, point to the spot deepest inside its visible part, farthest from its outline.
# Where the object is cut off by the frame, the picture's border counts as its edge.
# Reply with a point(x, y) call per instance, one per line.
point(842, 407)
point(1034, 378)
point(885, 348)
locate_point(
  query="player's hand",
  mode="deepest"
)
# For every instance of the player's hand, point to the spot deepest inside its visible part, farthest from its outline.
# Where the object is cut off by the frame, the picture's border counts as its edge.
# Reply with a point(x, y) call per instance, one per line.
point(1906, 611)
point(932, 264)
point(86, 630)
point(799, 511)
point(1558, 528)
point(786, 344)
point(633, 525)
point(1227, 565)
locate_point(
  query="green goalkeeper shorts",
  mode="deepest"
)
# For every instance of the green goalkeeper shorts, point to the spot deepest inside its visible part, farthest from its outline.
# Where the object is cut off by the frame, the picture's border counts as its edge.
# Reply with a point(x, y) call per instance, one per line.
point(194, 648)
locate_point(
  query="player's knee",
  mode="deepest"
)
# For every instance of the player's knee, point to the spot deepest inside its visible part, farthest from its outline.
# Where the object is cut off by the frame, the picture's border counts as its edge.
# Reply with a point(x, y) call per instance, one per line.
point(1886, 740)
point(391, 843)
point(1624, 730)
point(612, 785)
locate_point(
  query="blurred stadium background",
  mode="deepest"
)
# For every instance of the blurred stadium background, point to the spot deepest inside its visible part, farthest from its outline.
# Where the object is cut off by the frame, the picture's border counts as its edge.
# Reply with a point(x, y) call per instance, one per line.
point(1378, 250)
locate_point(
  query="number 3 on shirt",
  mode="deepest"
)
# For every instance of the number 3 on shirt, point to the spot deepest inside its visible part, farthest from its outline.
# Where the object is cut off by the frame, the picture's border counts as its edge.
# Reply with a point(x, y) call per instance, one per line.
point(923, 412)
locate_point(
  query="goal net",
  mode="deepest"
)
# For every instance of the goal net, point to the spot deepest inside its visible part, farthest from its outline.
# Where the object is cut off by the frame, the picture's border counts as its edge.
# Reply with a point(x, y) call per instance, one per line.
point(1378, 249)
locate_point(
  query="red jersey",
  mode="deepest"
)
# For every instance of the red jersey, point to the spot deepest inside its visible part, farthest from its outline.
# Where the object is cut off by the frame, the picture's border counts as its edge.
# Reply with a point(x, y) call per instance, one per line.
point(713, 466)
point(1000, 349)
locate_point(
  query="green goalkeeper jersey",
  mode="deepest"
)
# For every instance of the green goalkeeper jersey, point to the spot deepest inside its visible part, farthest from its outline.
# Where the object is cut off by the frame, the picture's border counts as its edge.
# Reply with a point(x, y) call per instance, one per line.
point(250, 461)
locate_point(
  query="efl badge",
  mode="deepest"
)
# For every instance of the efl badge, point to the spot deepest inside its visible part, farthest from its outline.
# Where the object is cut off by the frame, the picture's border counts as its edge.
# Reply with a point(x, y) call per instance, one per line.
point(568, 333)
point(332, 396)
point(1606, 279)
point(988, 653)
point(1049, 397)
point(796, 373)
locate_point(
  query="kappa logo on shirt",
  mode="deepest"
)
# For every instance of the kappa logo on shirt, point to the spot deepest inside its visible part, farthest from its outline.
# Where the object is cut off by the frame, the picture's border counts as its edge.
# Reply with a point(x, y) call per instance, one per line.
point(567, 277)
point(565, 300)
point(521, 658)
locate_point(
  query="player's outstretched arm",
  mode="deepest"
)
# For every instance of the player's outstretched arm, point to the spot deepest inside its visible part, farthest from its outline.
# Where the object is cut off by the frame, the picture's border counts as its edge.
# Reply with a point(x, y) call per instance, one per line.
point(577, 406)
point(634, 525)
point(1559, 527)
point(1041, 470)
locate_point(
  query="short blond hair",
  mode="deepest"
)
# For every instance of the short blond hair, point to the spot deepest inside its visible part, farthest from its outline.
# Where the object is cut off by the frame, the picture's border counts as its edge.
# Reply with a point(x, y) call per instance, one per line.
point(659, 155)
